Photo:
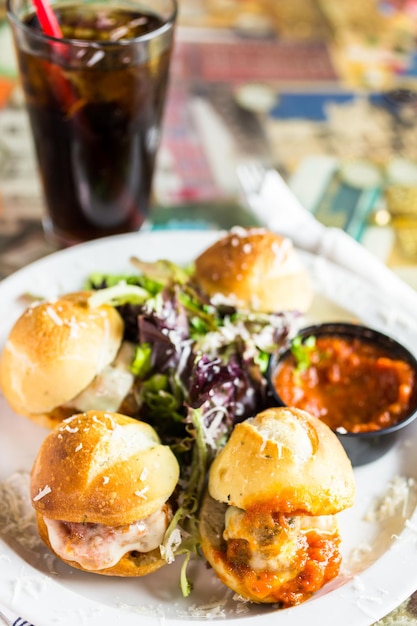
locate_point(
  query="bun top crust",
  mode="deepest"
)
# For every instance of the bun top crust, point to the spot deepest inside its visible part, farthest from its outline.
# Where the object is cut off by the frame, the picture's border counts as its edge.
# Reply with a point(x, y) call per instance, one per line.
point(103, 468)
point(255, 269)
point(54, 351)
point(286, 457)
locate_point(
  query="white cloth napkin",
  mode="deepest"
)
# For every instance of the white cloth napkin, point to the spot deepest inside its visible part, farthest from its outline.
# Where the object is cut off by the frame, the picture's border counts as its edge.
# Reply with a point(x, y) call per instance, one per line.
point(8, 618)
point(278, 208)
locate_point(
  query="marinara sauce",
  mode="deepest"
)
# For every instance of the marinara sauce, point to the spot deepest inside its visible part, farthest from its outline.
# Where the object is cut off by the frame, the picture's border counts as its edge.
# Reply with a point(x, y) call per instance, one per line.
point(351, 385)
point(292, 562)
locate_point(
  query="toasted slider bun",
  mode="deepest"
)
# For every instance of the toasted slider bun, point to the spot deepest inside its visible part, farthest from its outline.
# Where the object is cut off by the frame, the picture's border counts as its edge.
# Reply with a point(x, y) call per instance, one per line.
point(104, 469)
point(273, 494)
point(255, 269)
point(54, 351)
point(286, 455)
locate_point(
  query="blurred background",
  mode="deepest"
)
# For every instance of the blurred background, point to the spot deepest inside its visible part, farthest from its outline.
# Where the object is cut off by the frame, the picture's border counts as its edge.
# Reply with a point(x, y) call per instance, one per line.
point(324, 91)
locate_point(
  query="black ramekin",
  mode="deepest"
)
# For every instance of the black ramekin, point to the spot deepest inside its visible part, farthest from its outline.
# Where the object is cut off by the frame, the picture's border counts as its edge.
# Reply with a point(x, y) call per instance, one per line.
point(362, 447)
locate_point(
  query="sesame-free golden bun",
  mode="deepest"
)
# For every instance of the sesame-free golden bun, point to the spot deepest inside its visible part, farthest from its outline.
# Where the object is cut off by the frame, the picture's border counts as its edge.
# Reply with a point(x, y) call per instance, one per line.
point(103, 468)
point(288, 456)
point(283, 468)
point(255, 269)
point(54, 351)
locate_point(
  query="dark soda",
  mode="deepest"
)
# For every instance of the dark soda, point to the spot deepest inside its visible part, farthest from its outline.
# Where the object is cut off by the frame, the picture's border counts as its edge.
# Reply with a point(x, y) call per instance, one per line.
point(95, 113)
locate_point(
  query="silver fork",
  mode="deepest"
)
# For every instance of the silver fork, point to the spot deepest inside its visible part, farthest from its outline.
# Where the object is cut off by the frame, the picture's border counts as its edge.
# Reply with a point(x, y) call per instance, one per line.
point(18, 621)
point(269, 196)
point(251, 176)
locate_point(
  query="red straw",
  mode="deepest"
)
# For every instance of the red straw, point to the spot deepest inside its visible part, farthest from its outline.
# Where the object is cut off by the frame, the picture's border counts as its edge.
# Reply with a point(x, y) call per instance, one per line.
point(51, 27)
point(47, 19)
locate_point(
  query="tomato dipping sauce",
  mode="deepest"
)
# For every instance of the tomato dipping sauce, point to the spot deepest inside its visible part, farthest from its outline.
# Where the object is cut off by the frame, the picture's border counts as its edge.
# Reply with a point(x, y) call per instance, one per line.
point(351, 384)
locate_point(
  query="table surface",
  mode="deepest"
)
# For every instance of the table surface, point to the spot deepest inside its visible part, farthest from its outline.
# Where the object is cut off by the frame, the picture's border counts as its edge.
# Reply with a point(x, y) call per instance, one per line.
point(301, 86)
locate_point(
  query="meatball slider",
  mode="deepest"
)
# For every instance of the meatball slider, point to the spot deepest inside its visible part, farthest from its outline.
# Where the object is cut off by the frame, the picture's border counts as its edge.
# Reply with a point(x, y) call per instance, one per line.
point(255, 269)
point(100, 486)
point(268, 522)
point(58, 360)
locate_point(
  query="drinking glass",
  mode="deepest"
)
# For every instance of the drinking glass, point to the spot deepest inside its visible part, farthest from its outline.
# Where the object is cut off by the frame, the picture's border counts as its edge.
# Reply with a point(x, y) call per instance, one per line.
point(95, 99)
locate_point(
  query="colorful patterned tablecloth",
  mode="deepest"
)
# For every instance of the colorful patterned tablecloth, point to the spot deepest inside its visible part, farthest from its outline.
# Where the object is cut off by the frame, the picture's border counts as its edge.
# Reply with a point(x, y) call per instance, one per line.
point(303, 87)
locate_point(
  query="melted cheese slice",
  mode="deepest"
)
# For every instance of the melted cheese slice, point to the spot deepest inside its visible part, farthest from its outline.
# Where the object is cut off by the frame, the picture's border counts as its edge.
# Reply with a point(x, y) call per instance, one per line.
point(271, 546)
point(96, 546)
point(109, 388)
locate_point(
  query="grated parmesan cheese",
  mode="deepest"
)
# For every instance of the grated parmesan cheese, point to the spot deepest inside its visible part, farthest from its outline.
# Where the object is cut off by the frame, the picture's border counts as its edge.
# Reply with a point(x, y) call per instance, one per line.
point(42, 493)
point(209, 611)
point(213, 609)
point(141, 493)
point(167, 549)
point(395, 500)
point(210, 432)
point(17, 517)
point(69, 429)
point(54, 316)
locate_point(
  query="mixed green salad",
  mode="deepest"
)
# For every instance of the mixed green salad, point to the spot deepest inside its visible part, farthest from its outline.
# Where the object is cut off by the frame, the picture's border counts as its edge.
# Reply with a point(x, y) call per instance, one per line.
point(199, 368)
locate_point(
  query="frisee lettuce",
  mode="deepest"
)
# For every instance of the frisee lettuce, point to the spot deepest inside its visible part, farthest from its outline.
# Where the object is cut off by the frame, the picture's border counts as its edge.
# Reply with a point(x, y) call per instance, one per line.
point(184, 519)
point(161, 271)
point(119, 294)
point(163, 399)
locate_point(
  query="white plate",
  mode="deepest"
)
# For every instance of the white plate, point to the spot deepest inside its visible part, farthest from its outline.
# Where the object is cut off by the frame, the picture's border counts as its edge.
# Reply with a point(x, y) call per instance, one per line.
point(379, 557)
